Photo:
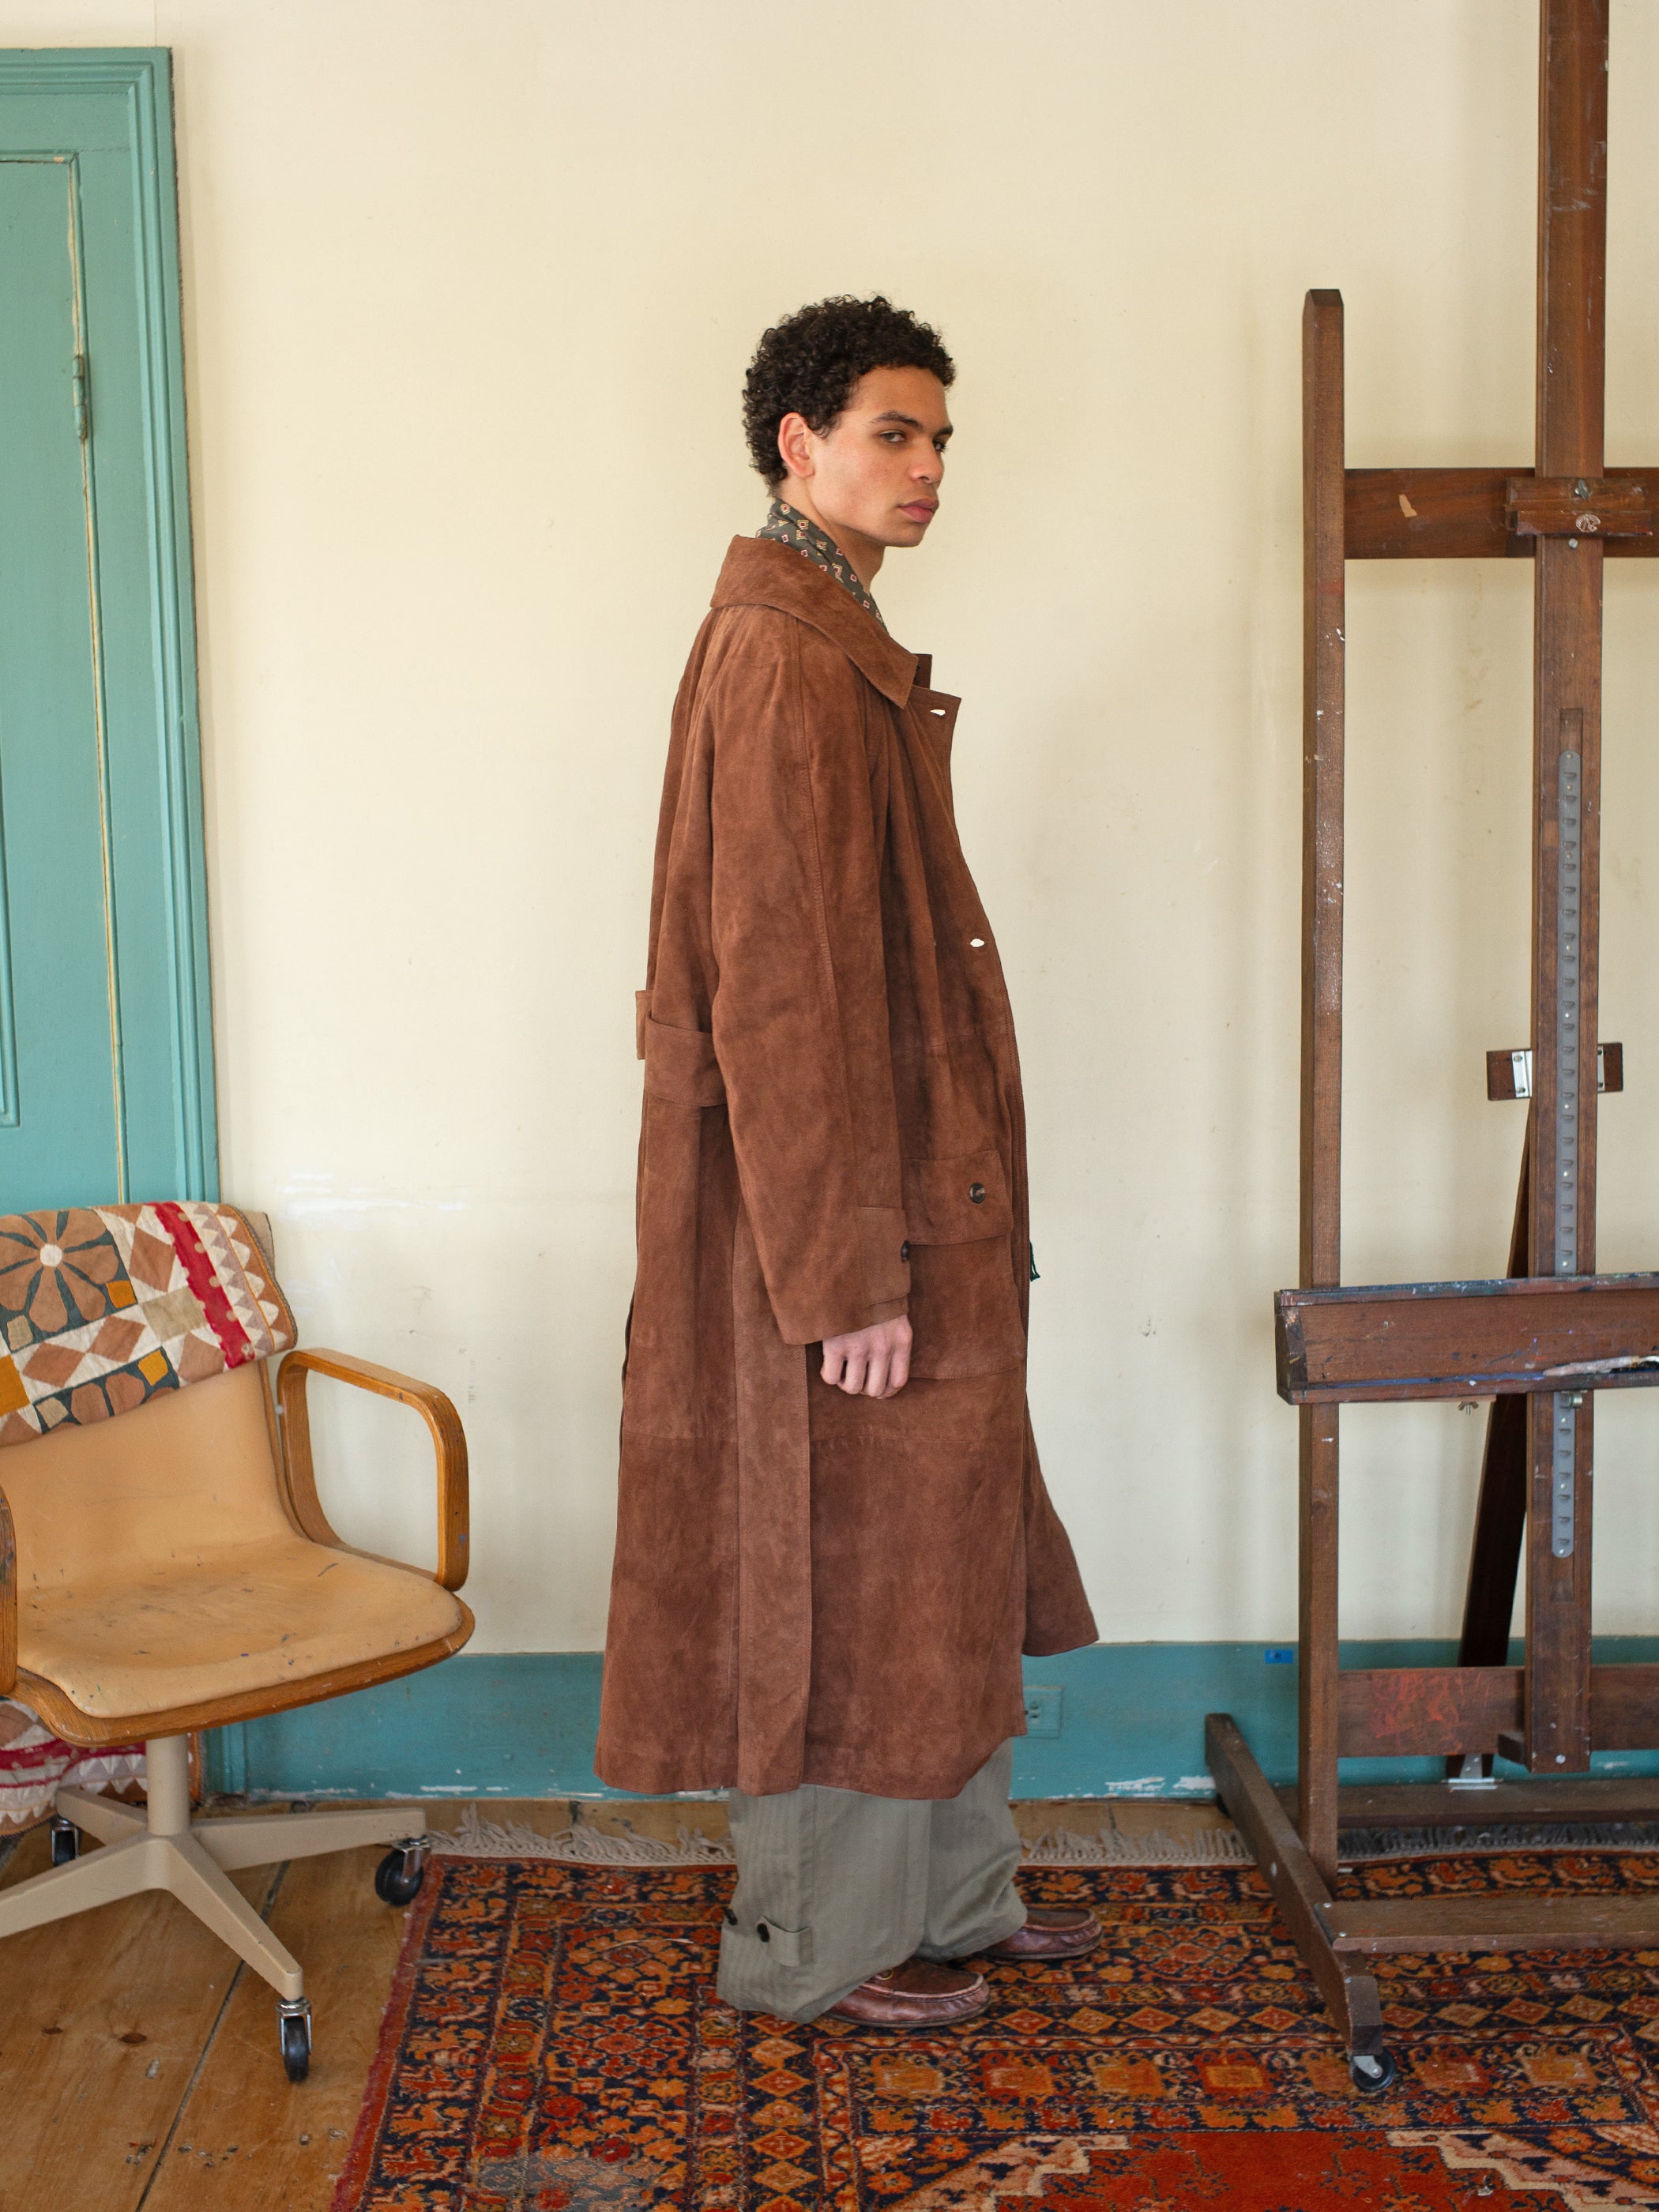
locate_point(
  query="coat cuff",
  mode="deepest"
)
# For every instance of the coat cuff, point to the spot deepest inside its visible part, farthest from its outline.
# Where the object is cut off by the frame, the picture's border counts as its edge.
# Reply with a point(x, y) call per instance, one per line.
point(872, 1285)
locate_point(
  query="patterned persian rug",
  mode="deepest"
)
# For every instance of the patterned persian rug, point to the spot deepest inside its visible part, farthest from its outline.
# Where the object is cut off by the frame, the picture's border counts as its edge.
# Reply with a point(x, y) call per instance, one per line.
point(554, 2044)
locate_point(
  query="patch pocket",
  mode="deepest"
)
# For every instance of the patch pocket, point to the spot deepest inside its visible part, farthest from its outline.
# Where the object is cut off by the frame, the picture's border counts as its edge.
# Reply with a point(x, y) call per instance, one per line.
point(957, 1202)
point(964, 1295)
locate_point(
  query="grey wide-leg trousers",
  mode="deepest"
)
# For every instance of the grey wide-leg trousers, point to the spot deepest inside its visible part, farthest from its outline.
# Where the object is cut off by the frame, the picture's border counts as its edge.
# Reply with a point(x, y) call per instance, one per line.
point(833, 1886)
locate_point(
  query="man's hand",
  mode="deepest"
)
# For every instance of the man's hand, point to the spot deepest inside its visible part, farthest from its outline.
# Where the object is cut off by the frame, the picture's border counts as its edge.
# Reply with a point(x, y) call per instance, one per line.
point(871, 1363)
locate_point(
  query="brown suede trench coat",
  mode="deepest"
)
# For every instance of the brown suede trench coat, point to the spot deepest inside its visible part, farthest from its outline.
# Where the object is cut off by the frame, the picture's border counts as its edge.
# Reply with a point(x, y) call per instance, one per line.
point(810, 1587)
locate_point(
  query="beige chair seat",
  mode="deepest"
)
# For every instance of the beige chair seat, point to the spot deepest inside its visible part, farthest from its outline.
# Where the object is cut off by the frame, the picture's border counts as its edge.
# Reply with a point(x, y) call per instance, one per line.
point(253, 1617)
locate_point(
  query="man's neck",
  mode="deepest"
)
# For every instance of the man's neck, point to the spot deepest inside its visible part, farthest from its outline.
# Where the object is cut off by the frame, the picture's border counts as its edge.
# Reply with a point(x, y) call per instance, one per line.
point(863, 555)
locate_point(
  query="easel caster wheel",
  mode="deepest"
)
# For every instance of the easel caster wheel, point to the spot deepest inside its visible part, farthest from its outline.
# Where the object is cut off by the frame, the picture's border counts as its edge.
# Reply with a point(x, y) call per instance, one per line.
point(66, 1840)
point(1372, 2071)
point(398, 1876)
point(294, 2031)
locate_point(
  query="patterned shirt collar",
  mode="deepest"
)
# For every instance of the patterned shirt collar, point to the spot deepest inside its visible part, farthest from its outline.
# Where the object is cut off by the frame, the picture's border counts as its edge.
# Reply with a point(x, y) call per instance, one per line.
point(787, 528)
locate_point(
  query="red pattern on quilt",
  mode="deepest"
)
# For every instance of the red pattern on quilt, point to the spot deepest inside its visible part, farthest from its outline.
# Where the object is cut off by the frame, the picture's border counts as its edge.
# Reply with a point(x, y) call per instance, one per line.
point(35, 1763)
point(203, 1278)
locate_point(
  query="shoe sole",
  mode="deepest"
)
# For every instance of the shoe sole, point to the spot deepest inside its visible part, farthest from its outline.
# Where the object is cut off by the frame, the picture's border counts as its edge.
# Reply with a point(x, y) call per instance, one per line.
point(902, 2026)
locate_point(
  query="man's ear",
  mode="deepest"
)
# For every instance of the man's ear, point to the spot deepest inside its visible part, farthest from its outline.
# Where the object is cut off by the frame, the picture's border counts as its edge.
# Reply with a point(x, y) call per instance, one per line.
point(795, 446)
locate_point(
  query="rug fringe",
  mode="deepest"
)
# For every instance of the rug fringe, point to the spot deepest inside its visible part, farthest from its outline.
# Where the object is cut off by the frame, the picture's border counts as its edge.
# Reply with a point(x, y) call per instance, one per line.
point(1356, 1843)
point(585, 1845)
point(1063, 1847)
point(581, 1845)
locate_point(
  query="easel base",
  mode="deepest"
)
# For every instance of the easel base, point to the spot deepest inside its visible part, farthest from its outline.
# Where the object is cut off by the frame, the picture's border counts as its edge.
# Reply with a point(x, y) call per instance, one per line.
point(1333, 1935)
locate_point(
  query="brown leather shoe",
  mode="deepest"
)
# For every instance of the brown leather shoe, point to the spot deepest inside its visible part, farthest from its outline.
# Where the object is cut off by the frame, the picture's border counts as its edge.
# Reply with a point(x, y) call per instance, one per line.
point(918, 1994)
point(1050, 1932)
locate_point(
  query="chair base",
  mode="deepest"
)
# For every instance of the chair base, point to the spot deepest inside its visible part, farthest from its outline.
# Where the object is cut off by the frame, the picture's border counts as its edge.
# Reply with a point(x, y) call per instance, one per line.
point(159, 1846)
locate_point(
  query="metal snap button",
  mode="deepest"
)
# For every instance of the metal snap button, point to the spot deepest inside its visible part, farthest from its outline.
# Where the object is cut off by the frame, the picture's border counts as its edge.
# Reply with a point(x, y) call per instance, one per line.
point(904, 1250)
point(976, 1192)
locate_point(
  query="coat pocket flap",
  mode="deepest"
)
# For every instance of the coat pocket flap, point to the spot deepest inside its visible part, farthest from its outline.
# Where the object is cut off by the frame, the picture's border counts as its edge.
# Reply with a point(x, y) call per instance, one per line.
point(680, 1064)
point(957, 1202)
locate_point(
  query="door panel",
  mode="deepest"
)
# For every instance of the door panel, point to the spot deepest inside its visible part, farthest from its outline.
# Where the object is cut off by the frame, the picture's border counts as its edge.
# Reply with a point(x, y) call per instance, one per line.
point(60, 1138)
point(107, 1032)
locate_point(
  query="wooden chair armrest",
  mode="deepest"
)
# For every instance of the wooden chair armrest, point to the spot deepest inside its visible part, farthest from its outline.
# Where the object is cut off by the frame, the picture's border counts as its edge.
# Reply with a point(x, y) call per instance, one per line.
point(449, 1438)
point(8, 1601)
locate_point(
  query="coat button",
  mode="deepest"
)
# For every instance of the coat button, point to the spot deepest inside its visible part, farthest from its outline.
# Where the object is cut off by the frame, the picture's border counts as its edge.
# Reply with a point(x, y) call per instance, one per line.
point(731, 1917)
point(904, 1250)
point(762, 1931)
point(976, 1192)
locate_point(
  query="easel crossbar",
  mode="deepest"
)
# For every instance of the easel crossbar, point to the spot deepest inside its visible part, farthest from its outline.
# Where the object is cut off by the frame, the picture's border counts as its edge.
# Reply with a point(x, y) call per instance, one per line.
point(1460, 514)
point(1460, 1713)
point(1408, 1341)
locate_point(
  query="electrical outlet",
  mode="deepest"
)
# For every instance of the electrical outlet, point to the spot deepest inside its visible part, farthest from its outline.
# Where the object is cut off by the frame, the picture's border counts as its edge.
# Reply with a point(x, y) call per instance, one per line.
point(1042, 1702)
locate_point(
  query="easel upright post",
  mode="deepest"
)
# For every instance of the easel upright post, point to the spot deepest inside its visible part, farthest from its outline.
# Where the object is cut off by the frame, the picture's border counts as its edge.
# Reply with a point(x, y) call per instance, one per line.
point(1320, 1261)
point(1572, 226)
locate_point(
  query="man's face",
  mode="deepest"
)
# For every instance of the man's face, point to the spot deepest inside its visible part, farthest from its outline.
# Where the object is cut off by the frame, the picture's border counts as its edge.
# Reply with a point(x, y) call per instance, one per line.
point(876, 475)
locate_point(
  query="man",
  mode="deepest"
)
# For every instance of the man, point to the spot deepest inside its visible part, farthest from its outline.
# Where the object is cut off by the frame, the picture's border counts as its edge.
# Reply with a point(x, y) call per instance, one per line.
point(833, 1539)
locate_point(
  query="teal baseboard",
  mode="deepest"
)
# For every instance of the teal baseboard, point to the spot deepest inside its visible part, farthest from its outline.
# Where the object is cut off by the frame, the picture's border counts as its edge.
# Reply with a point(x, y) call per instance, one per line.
point(1128, 1721)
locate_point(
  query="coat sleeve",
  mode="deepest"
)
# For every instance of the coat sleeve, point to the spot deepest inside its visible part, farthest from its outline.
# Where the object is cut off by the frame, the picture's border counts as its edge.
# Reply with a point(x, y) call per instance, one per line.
point(799, 1010)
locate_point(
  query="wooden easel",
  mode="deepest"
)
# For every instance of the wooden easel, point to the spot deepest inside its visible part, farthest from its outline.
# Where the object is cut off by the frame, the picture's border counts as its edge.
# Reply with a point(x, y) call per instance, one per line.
point(1539, 1341)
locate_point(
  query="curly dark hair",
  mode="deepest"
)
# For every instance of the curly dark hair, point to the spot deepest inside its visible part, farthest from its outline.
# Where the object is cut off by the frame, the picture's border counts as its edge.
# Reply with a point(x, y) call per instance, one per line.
point(809, 363)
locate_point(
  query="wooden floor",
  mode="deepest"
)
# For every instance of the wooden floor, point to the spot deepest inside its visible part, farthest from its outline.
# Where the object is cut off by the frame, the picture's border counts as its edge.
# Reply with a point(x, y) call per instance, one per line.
point(138, 2062)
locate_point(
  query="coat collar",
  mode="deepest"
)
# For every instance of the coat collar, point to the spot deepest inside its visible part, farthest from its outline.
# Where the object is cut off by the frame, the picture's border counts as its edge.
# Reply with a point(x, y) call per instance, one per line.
point(759, 572)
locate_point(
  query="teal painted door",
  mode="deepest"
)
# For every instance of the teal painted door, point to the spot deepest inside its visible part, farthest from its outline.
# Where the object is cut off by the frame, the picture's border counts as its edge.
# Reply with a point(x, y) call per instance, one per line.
point(60, 1136)
point(106, 1043)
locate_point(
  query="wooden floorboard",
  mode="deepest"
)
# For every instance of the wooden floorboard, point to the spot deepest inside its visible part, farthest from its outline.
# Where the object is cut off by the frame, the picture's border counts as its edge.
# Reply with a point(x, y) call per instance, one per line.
point(247, 2135)
point(103, 2018)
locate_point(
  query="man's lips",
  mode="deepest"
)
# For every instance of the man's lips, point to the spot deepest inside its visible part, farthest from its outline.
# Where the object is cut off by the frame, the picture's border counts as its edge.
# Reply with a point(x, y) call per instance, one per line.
point(920, 509)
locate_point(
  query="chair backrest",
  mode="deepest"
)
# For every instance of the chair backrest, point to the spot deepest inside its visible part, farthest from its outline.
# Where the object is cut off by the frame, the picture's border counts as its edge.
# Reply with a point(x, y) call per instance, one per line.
point(188, 1474)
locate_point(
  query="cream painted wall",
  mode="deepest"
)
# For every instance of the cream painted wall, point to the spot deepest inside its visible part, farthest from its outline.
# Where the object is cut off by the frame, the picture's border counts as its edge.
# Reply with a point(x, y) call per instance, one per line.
point(469, 294)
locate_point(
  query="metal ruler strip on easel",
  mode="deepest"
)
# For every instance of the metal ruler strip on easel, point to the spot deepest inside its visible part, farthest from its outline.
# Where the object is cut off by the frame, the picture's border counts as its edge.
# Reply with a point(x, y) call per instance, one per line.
point(1564, 1425)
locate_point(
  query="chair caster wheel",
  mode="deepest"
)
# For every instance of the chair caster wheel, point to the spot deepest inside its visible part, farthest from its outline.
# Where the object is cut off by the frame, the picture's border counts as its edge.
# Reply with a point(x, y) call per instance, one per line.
point(66, 1840)
point(398, 1876)
point(294, 2032)
point(1372, 2071)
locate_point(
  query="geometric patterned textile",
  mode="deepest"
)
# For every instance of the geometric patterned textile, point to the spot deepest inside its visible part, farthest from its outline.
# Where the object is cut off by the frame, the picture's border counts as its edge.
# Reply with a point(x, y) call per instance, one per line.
point(554, 2042)
point(787, 525)
point(100, 1307)
point(33, 1762)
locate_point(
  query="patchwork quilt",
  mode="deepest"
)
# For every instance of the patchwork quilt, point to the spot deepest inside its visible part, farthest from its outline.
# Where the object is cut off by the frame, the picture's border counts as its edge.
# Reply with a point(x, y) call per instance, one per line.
point(33, 1762)
point(100, 1307)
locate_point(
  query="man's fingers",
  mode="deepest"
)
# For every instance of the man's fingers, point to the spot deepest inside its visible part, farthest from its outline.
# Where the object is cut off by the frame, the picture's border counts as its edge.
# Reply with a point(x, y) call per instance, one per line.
point(871, 1363)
